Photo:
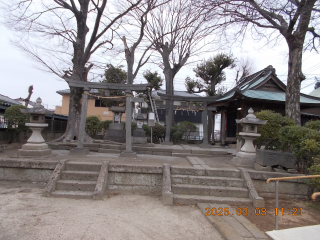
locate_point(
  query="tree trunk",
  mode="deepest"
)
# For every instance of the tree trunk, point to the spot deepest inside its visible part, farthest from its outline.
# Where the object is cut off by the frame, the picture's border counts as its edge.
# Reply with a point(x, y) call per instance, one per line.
point(209, 125)
point(168, 74)
point(295, 77)
point(72, 131)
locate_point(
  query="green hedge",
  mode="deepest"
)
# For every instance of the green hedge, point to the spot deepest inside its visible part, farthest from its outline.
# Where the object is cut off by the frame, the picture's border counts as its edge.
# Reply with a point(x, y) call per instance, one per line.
point(270, 131)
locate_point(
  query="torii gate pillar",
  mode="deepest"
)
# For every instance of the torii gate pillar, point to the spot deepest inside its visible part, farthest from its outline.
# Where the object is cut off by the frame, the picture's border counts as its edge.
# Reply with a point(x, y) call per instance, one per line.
point(128, 152)
point(80, 150)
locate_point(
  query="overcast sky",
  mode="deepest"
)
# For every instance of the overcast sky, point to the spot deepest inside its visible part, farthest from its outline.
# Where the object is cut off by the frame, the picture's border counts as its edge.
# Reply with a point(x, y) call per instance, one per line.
point(18, 72)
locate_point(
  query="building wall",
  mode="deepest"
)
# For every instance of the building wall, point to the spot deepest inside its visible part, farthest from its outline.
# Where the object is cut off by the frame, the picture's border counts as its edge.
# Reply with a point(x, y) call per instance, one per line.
point(102, 112)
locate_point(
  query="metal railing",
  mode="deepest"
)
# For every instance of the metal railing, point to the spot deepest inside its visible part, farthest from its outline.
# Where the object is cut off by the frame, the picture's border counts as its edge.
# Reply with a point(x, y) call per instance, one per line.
point(277, 191)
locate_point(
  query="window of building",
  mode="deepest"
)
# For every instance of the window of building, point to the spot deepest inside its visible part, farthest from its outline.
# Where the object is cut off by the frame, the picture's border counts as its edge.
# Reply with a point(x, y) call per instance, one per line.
point(99, 103)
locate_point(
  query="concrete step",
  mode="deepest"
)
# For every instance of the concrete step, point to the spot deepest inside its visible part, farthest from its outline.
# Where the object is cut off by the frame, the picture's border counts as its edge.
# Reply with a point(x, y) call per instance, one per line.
point(75, 185)
point(207, 180)
point(79, 175)
point(189, 154)
point(83, 166)
point(221, 172)
point(104, 150)
point(216, 172)
point(73, 194)
point(219, 191)
point(193, 199)
point(229, 224)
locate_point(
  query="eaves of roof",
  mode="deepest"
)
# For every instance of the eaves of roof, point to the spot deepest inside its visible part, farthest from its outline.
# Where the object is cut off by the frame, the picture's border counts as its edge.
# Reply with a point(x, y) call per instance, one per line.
point(6, 101)
point(67, 92)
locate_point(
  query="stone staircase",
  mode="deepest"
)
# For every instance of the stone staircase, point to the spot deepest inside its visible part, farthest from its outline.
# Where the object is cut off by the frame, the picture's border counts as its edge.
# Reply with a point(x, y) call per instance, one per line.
point(208, 186)
point(77, 180)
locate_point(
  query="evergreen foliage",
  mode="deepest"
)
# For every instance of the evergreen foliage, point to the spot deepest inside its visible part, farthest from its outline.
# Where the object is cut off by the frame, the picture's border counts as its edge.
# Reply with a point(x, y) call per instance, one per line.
point(16, 119)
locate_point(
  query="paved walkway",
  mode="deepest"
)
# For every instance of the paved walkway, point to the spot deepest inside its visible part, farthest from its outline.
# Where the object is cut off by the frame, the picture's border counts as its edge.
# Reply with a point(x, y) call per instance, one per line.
point(300, 233)
point(231, 226)
point(25, 214)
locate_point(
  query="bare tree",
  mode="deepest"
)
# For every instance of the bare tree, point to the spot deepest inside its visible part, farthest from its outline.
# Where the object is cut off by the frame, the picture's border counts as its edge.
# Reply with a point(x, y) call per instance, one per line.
point(296, 21)
point(177, 31)
point(64, 31)
point(244, 67)
point(137, 20)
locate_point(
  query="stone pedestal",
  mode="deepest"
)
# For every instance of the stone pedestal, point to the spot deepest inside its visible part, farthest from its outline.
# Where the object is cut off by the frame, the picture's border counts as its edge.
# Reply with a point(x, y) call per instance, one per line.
point(139, 136)
point(246, 157)
point(116, 133)
point(205, 145)
point(35, 146)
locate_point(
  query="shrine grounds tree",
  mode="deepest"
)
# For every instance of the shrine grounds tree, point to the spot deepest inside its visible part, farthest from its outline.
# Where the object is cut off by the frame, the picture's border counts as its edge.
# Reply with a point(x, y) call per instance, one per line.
point(136, 20)
point(65, 37)
point(114, 74)
point(244, 68)
point(210, 73)
point(177, 31)
point(297, 21)
point(155, 81)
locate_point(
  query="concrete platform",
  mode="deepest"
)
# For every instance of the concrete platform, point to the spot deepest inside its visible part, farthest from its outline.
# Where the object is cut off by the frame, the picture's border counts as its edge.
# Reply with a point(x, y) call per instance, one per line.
point(230, 225)
point(300, 233)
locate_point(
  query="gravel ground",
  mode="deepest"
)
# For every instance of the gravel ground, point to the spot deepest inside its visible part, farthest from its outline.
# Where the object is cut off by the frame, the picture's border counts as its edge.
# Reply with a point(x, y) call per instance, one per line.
point(25, 214)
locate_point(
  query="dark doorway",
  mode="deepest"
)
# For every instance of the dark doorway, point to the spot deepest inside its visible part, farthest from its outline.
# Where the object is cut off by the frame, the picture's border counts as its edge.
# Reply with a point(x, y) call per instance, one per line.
point(231, 124)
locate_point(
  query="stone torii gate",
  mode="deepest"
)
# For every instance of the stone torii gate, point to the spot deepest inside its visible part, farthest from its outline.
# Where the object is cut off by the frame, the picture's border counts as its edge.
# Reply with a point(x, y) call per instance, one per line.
point(128, 88)
point(205, 101)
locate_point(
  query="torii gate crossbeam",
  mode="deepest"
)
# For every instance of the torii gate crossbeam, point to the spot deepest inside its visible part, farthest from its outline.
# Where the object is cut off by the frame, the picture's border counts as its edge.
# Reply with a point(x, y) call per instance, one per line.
point(108, 86)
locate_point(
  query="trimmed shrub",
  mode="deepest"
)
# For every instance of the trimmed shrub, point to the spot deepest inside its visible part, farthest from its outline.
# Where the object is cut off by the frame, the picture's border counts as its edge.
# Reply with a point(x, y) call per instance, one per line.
point(105, 125)
point(315, 125)
point(146, 128)
point(16, 119)
point(302, 142)
point(158, 131)
point(313, 183)
point(93, 125)
point(270, 131)
point(133, 126)
point(183, 129)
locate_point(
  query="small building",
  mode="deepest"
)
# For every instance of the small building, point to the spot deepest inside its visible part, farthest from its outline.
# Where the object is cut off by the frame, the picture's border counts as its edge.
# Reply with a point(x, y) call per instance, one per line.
point(57, 123)
point(182, 111)
point(5, 102)
point(22, 101)
point(96, 105)
point(260, 91)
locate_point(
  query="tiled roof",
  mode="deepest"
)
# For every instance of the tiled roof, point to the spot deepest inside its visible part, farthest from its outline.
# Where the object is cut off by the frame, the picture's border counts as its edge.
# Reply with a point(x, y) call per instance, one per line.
point(247, 85)
point(4, 100)
point(315, 93)
point(23, 100)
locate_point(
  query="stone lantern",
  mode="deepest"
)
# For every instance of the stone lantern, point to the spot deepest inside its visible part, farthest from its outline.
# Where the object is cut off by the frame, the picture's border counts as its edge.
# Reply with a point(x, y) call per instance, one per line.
point(115, 132)
point(36, 145)
point(247, 154)
point(139, 135)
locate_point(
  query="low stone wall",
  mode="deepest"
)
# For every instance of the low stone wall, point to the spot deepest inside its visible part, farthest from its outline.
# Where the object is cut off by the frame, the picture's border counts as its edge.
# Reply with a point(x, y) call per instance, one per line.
point(295, 188)
point(26, 170)
point(9, 137)
point(142, 179)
